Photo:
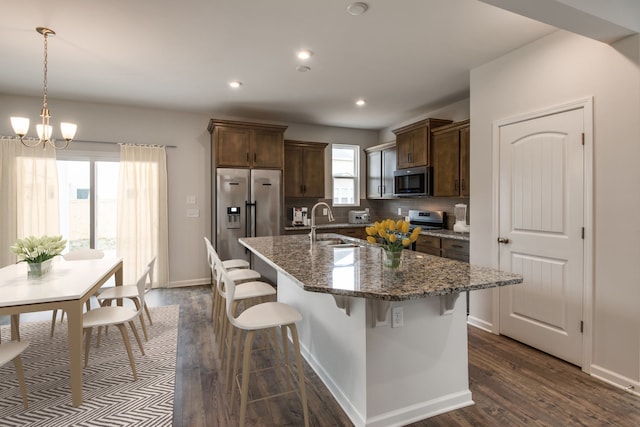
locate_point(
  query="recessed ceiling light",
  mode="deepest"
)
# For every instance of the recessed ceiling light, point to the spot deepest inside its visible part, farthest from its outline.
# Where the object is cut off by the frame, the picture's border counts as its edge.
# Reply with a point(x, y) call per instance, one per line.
point(304, 54)
point(303, 68)
point(235, 84)
point(361, 102)
point(357, 8)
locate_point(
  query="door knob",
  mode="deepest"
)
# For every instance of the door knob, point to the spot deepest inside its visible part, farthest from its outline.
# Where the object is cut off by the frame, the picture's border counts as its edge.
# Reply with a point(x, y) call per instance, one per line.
point(503, 240)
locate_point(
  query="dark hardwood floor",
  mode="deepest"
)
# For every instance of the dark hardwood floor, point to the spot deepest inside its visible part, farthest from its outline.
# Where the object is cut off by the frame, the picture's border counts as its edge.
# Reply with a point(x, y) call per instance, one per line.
point(512, 384)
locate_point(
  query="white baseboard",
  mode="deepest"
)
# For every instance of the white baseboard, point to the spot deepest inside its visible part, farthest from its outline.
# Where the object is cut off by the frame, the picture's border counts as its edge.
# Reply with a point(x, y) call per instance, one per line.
point(615, 379)
point(185, 283)
point(480, 324)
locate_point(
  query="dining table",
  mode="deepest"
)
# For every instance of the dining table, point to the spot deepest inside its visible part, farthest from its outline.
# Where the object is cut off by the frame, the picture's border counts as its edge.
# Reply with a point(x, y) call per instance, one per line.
point(68, 286)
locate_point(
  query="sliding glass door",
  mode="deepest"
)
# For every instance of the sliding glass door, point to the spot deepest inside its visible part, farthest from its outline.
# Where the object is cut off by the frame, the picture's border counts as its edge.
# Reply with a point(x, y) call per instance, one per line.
point(88, 194)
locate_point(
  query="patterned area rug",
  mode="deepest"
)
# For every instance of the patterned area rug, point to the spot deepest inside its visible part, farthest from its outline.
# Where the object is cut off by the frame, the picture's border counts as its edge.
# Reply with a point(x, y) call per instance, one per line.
point(111, 397)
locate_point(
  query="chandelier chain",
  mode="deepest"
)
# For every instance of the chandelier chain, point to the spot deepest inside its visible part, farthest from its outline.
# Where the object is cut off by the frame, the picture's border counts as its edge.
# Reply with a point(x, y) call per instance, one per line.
point(44, 102)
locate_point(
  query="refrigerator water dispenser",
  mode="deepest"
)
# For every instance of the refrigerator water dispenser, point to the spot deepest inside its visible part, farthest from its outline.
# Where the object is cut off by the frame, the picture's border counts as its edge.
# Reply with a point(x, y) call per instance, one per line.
point(233, 217)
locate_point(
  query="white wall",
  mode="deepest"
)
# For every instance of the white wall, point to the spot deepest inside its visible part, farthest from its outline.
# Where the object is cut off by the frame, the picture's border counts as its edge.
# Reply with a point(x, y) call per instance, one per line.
point(188, 165)
point(559, 68)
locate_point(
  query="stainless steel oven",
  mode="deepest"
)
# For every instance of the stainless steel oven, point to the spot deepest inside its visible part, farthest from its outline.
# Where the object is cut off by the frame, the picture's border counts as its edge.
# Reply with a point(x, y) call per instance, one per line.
point(412, 182)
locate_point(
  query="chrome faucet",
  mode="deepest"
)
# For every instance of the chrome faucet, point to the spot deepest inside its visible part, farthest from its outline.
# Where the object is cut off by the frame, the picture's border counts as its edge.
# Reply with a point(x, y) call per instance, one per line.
point(312, 235)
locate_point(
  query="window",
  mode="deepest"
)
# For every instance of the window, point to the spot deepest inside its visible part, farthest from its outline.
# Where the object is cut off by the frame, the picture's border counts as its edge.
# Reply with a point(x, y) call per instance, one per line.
point(345, 172)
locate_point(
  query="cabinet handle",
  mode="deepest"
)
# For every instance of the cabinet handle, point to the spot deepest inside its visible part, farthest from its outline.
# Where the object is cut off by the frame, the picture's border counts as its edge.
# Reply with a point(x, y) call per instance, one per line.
point(383, 189)
point(304, 188)
point(463, 186)
point(255, 157)
point(247, 156)
point(380, 189)
point(456, 185)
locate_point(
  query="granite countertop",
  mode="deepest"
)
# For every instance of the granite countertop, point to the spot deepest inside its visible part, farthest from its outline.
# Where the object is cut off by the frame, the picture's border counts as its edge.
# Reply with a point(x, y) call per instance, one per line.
point(358, 271)
point(326, 226)
point(447, 234)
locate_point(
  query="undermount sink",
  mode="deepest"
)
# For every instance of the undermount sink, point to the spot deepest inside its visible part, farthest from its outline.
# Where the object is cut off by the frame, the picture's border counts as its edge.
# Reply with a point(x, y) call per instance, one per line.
point(336, 243)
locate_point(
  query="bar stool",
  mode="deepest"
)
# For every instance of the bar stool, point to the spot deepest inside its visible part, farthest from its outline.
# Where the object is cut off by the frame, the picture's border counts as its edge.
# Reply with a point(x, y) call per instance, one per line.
point(246, 291)
point(240, 272)
point(258, 317)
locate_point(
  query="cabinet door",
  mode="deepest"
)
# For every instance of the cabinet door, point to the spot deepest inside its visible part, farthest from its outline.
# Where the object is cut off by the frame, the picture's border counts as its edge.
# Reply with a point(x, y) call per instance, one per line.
point(232, 146)
point(388, 168)
point(404, 146)
point(465, 190)
point(267, 148)
point(313, 172)
point(420, 147)
point(445, 150)
point(428, 245)
point(293, 171)
point(374, 174)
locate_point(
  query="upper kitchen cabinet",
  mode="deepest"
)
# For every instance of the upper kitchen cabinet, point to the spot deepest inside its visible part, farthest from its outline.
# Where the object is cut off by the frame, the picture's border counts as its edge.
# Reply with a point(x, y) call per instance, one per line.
point(381, 163)
point(450, 160)
point(304, 169)
point(247, 145)
point(413, 143)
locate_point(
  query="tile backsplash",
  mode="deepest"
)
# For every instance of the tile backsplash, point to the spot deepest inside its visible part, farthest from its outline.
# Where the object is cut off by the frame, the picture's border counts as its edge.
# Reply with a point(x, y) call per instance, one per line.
point(379, 209)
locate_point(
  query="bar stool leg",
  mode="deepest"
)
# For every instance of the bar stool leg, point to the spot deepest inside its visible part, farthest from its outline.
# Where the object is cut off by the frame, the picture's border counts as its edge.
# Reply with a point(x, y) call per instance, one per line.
point(248, 342)
point(17, 362)
point(303, 390)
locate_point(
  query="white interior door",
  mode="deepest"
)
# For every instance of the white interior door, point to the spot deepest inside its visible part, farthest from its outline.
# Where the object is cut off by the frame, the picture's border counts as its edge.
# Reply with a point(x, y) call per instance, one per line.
point(541, 220)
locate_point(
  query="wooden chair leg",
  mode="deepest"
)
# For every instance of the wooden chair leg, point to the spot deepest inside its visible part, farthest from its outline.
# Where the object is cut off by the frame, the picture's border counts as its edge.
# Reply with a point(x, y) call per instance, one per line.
point(229, 355)
point(236, 359)
point(146, 309)
point(244, 394)
point(17, 362)
point(136, 302)
point(135, 334)
point(303, 389)
point(15, 327)
point(127, 344)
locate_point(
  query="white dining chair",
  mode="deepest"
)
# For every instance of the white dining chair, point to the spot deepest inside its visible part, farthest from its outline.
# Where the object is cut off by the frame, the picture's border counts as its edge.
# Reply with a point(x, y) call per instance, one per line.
point(79, 254)
point(262, 316)
point(11, 351)
point(116, 316)
point(130, 292)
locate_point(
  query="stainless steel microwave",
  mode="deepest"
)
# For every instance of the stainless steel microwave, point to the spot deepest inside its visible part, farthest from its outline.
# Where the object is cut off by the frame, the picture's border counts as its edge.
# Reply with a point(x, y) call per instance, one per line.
point(412, 182)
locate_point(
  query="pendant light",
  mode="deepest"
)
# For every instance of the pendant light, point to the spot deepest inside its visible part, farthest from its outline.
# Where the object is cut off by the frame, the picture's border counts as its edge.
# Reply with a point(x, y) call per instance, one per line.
point(21, 124)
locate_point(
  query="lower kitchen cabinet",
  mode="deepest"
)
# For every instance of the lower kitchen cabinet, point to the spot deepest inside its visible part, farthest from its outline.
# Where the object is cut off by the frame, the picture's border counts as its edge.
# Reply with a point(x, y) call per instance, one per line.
point(446, 248)
point(356, 232)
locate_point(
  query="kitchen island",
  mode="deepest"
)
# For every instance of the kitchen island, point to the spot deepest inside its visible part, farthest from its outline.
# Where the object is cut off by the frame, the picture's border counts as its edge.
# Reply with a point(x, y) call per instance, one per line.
point(390, 345)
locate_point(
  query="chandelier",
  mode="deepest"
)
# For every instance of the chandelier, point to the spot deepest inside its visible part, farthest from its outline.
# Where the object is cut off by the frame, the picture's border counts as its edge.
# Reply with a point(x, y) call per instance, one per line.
point(21, 124)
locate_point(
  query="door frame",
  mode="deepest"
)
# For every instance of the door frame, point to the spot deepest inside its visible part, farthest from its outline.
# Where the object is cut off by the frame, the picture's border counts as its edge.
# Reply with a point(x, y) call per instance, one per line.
point(586, 104)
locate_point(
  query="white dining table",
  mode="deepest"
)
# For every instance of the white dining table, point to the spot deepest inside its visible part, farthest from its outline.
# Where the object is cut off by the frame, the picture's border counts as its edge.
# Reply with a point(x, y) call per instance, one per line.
point(67, 286)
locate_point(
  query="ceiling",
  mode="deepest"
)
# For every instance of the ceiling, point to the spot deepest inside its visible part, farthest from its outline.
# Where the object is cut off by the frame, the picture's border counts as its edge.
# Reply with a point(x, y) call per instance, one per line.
point(404, 57)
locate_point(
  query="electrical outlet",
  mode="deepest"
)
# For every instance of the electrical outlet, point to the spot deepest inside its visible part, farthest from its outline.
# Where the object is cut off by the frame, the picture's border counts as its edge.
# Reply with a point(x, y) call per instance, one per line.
point(399, 211)
point(325, 212)
point(397, 317)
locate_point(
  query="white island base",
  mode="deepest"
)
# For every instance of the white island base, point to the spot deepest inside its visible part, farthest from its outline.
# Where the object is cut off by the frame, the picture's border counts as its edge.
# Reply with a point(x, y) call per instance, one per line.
point(384, 376)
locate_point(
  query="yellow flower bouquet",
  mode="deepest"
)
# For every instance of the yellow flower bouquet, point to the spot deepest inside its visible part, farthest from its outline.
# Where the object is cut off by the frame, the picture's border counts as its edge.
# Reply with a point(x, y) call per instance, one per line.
point(393, 236)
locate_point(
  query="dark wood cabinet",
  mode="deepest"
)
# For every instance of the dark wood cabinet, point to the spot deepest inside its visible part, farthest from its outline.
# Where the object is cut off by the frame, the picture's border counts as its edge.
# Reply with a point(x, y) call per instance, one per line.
point(450, 160)
point(304, 169)
point(356, 232)
point(247, 145)
point(443, 247)
point(381, 163)
point(413, 143)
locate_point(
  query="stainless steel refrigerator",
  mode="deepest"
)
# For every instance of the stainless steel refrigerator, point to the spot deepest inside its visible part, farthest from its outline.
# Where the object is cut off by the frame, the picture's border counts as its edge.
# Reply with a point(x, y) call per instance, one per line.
point(248, 203)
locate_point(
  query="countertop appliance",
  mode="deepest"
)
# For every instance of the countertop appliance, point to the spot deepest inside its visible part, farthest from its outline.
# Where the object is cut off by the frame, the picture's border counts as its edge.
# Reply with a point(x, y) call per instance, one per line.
point(359, 217)
point(460, 211)
point(247, 204)
point(412, 182)
point(427, 220)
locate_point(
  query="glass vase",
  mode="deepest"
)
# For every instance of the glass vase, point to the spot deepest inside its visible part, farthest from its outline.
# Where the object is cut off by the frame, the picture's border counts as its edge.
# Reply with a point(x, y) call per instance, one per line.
point(39, 269)
point(392, 259)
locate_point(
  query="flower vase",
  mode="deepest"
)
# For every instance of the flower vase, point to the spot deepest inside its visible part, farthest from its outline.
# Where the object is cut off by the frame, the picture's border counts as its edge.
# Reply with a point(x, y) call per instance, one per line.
point(392, 259)
point(39, 269)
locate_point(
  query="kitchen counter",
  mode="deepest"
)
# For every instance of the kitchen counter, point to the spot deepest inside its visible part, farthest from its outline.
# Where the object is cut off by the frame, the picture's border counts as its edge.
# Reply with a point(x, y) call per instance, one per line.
point(444, 234)
point(391, 346)
point(447, 234)
point(325, 226)
point(421, 275)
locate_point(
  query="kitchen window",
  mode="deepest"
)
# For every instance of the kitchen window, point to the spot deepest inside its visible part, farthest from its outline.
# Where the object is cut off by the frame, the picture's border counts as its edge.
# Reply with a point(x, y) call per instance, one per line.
point(345, 174)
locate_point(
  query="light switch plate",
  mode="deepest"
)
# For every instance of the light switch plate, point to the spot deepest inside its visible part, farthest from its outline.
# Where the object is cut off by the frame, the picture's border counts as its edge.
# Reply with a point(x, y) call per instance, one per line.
point(193, 213)
point(191, 200)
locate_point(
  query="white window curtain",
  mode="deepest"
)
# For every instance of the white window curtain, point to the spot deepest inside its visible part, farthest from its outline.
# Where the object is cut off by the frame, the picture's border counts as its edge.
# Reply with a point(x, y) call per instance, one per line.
point(142, 228)
point(28, 194)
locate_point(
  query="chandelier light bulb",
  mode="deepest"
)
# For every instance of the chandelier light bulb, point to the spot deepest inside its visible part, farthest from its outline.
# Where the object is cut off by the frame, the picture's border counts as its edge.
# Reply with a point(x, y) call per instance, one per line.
point(235, 84)
point(68, 130)
point(20, 125)
point(44, 136)
point(304, 54)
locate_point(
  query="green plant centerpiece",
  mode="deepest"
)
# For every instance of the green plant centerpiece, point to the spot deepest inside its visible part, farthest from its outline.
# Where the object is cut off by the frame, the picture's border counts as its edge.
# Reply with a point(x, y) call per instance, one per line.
point(37, 252)
point(392, 236)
